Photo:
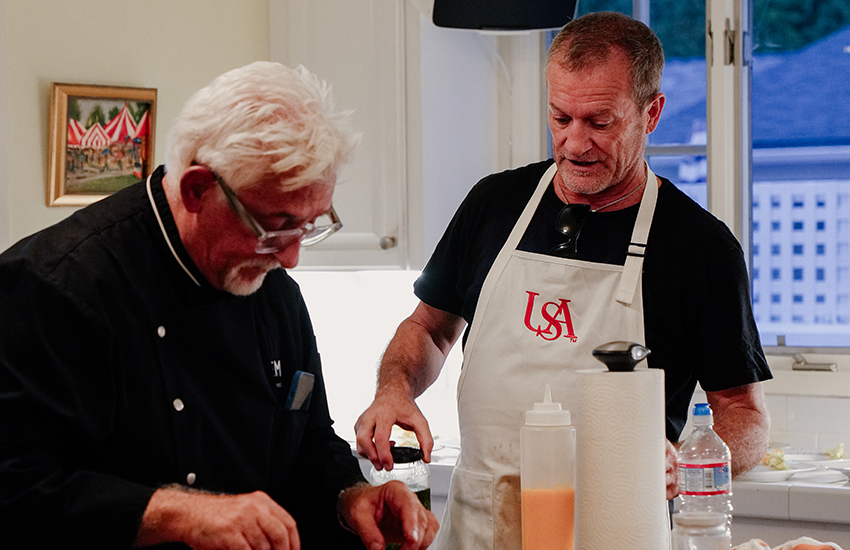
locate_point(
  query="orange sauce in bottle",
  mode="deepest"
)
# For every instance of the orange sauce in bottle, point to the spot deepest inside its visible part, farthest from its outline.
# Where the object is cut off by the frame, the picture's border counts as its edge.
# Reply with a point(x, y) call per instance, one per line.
point(548, 519)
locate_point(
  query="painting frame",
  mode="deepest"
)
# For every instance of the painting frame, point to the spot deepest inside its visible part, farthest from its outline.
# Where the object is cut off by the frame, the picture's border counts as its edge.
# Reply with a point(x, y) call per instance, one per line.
point(88, 163)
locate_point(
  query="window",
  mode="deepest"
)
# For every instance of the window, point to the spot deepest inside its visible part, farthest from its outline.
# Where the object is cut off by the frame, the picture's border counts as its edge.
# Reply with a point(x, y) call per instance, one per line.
point(776, 250)
point(776, 274)
point(776, 225)
point(755, 250)
point(801, 157)
point(798, 298)
point(776, 298)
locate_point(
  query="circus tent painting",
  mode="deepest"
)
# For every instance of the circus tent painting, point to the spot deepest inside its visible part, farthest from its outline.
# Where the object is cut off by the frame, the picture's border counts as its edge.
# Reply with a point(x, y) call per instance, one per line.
point(75, 133)
point(108, 145)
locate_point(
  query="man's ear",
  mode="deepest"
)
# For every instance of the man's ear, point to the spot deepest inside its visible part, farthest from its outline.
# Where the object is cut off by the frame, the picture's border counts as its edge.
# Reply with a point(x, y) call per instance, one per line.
point(653, 111)
point(195, 182)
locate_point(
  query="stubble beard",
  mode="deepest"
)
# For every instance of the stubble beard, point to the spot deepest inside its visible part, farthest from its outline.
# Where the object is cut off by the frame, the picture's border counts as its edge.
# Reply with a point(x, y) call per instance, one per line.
point(582, 183)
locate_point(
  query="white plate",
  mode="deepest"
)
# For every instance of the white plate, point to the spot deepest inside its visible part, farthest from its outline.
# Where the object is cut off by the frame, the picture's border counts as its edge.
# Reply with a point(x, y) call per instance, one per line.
point(842, 466)
point(806, 455)
point(767, 474)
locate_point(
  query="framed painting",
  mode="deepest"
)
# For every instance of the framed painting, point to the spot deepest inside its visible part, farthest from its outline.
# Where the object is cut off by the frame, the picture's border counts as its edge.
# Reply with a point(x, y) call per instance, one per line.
point(101, 140)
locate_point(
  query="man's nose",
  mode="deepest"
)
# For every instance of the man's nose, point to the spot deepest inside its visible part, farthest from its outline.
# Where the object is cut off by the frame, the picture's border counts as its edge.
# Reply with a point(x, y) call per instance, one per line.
point(577, 140)
point(288, 257)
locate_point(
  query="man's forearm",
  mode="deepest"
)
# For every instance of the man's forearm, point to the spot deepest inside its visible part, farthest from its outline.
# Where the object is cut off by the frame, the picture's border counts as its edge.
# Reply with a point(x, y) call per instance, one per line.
point(742, 421)
point(747, 433)
point(416, 354)
point(411, 363)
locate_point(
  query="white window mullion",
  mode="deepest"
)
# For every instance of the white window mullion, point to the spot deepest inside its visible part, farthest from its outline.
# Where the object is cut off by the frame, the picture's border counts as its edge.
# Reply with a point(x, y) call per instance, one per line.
point(728, 119)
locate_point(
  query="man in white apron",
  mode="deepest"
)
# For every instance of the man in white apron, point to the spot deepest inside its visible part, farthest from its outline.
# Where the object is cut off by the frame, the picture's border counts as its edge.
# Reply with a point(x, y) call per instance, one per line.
point(547, 262)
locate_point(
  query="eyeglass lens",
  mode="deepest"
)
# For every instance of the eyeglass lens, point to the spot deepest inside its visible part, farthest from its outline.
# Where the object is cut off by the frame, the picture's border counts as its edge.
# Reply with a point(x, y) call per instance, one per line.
point(570, 222)
point(310, 234)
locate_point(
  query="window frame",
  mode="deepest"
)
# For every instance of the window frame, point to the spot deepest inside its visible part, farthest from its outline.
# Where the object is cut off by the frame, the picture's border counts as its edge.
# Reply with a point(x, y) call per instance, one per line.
point(729, 149)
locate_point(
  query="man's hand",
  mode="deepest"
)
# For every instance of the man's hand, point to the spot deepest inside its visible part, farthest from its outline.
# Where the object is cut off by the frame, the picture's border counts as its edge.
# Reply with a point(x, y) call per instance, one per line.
point(412, 361)
point(672, 470)
point(375, 425)
point(217, 522)
point(387, 513)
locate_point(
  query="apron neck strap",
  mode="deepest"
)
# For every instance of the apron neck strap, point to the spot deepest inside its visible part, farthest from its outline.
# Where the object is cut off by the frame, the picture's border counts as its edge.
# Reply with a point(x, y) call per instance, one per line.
point(637, 248)
point(634, 259)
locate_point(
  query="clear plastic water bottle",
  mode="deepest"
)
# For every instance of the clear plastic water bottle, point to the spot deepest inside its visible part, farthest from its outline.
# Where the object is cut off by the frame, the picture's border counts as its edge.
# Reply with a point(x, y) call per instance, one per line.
point(701, 531)
point(705, 468)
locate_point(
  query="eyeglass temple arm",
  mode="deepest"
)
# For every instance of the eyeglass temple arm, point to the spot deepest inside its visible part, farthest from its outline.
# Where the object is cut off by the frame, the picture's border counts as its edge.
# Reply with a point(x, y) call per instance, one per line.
point(239, 209)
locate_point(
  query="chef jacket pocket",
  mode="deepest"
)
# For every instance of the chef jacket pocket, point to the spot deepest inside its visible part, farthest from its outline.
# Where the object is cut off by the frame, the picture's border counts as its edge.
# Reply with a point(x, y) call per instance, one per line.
point(288, 438)
point(470, 512)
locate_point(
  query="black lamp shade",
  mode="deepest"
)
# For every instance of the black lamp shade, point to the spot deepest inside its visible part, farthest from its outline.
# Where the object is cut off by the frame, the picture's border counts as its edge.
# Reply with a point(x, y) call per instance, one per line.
point(503, 15)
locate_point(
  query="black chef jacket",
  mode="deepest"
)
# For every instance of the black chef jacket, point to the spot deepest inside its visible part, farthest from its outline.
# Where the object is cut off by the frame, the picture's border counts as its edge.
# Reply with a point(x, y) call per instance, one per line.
point(122, 370)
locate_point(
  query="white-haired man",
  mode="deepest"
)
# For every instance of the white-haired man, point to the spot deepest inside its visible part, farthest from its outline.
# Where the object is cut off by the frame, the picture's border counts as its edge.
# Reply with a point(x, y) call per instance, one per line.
point(159, 377)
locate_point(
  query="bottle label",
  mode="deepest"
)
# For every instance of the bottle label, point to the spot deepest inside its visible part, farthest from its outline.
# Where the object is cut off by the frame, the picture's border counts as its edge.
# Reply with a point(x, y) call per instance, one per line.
point(704, 479)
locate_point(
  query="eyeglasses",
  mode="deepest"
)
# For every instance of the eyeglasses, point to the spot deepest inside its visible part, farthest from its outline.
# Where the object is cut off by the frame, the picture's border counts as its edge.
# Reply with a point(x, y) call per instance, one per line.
point(271, 242)
point(570, 222)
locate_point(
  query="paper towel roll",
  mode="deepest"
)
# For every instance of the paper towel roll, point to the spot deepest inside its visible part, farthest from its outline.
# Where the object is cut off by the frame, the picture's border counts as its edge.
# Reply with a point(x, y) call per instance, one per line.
point(620, 461)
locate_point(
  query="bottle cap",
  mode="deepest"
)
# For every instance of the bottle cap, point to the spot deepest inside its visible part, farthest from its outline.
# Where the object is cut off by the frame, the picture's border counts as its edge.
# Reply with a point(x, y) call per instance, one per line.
point(547, 413)
point(702, 415)
point(403, 455)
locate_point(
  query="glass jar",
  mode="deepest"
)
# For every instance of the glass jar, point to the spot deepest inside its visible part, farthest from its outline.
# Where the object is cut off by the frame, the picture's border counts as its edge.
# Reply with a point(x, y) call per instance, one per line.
point(701, 531)
point(410, 470)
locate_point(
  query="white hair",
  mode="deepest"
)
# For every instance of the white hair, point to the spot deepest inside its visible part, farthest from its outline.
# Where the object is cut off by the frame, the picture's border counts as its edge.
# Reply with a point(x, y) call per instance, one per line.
point(259, 121)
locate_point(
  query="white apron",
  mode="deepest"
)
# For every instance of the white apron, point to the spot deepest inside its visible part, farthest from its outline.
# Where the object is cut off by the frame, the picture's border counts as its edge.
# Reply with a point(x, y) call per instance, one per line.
point(537, 320)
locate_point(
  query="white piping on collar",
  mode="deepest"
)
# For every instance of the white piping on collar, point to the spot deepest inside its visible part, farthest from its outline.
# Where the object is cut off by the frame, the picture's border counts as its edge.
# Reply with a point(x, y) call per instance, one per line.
point(165, 234)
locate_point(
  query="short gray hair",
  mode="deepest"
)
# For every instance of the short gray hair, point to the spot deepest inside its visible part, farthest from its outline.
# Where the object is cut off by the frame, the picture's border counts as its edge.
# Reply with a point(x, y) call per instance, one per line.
point(261, 120)
point(588, 40)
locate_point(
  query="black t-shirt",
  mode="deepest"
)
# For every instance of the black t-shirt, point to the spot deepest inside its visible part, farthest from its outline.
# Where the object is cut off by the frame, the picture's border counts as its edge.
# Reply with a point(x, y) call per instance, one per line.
point(697, 314)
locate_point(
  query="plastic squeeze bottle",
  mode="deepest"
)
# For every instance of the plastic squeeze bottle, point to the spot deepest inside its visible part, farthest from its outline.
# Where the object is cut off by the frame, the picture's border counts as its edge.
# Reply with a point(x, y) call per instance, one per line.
point(547, 477)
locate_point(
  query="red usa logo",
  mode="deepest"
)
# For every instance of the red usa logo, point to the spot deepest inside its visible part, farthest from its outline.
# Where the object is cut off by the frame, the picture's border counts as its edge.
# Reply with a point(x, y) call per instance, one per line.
point(556, 314)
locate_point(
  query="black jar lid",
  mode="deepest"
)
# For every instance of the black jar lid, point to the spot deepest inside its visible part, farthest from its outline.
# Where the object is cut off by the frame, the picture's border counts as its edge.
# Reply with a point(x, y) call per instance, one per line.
point(403, 455)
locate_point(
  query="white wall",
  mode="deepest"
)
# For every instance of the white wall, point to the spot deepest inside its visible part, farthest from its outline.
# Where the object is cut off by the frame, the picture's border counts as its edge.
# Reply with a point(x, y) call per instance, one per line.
point(5, 207)
point(460, 121)
point(355, 314)
point(173, 46)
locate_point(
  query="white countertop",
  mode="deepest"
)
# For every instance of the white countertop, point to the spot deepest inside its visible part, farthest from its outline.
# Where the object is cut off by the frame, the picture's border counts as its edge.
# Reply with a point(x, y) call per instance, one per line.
point(814, 504)
point(822, 495)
